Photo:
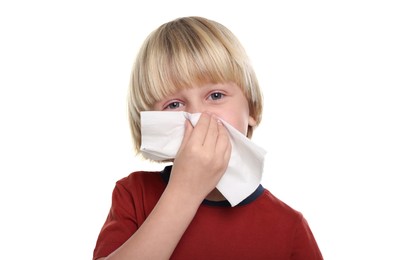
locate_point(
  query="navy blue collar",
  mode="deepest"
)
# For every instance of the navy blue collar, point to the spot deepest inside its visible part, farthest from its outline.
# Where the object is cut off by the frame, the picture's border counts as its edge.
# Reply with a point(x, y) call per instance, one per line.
point(165, 174)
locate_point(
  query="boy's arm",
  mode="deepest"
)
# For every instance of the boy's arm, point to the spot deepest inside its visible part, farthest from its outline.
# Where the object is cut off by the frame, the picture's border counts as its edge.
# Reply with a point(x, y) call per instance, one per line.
point(160, 233)
point(200, 163)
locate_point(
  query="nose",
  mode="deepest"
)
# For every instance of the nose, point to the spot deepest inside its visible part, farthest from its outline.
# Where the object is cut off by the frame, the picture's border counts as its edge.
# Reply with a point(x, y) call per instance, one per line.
point(195, 107)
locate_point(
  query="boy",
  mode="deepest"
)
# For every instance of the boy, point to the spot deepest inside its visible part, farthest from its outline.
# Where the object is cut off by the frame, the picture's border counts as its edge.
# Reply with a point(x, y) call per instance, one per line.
point(196, 65)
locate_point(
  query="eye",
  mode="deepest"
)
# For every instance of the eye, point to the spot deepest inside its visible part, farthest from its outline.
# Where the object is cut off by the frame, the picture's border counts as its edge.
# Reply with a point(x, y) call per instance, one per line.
point(216, 95)
point(172, 105)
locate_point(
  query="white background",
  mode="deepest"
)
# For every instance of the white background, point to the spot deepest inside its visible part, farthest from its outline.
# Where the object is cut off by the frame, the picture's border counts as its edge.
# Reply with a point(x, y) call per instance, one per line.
point(334, 76)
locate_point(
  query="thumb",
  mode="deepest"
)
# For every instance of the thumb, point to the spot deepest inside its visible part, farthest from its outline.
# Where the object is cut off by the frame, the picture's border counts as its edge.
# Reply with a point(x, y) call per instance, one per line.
point(188, 129)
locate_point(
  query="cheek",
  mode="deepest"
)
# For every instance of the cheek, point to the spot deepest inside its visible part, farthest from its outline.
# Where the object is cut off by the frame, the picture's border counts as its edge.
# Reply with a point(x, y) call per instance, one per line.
point(238, 120)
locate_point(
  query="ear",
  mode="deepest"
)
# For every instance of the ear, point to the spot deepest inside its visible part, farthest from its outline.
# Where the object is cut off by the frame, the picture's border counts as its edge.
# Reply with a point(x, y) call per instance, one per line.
point(251, 121)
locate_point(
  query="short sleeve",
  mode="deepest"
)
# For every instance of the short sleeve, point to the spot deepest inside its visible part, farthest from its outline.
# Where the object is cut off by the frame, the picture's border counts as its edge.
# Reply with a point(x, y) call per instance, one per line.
point(304, 245)
point(120, 224)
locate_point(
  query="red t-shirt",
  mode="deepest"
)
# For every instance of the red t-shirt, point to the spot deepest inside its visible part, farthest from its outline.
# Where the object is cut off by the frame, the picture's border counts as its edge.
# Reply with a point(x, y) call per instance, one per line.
point(260, 227)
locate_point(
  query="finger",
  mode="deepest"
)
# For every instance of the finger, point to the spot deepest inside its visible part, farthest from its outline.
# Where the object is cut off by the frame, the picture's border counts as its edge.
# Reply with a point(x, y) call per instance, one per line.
point(200, 130)
point(212, 134)
point(188, 129)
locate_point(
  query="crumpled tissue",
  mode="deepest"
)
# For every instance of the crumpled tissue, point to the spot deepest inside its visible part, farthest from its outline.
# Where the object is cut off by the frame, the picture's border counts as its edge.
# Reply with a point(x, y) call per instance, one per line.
point(162, 133)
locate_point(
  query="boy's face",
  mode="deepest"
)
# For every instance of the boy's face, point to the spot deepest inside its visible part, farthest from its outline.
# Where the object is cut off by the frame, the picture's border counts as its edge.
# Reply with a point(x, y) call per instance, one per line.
point(224, 100)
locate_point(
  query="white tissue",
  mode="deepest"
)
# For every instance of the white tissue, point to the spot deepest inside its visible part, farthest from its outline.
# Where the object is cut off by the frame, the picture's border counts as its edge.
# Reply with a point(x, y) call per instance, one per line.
point(162, 134)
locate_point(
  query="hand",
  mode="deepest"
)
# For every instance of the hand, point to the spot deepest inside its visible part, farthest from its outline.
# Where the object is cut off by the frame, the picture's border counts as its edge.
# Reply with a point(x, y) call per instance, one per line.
point(202, 158)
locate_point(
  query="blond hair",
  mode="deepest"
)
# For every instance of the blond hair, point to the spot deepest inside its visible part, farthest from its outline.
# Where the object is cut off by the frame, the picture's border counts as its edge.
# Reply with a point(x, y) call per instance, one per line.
point(186, 52)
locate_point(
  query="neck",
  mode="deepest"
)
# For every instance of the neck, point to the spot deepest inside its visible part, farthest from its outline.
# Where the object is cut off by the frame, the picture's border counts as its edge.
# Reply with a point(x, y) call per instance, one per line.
point(215, 195)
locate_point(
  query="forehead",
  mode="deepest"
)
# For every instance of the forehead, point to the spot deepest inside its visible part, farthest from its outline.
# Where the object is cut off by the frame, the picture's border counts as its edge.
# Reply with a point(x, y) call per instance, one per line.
point(207, 87)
